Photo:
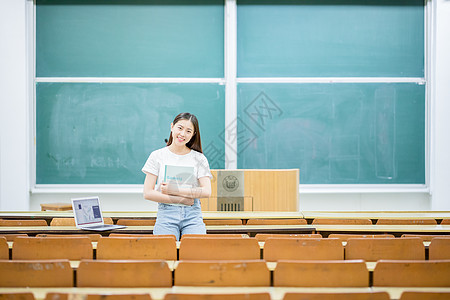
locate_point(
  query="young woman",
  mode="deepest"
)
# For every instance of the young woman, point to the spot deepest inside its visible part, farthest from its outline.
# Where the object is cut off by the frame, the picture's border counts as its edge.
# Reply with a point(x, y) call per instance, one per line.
point(179, 210)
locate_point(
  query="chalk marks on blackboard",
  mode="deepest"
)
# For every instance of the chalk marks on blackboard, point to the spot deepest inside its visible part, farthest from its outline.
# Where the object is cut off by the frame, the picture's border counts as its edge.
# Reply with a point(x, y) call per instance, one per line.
point(345, 158)
point(262, 109)
point(244, 131)
point(385, 132)
point(340, 133)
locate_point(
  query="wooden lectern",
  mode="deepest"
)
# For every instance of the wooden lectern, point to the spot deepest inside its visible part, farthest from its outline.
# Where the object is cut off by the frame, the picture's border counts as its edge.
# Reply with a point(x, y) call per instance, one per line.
point(253, 190)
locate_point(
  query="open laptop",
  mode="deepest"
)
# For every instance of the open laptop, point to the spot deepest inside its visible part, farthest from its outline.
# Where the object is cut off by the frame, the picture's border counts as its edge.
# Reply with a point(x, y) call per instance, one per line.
point(88, 215)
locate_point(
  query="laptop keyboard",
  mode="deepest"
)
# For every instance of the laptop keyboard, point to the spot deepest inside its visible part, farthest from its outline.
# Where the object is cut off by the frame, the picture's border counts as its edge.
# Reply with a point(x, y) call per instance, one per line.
point(101, 226)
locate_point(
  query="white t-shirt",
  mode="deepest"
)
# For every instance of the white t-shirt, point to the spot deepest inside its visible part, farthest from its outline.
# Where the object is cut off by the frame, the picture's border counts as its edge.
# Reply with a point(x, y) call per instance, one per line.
point(158, 160)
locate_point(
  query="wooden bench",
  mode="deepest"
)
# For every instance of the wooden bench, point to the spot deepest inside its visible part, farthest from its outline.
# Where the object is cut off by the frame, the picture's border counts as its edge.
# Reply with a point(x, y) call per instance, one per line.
point(276, 222)
point(17, 296)
point(71, 221)
point(209, 248)
point(248, 273)
point(412, 273)
point(439, 248)
point(4, 248)
point(102, 296)
point(14, 223)
point(94, 237)
point(425, 237)
point(56, 206)
point(73, 248)
point(262, 237)
point(216, 235)
point(418, 295)
point(303, 249)
point(137, 248)
point(321, 274)
point(406, 222)
point(35, 273)
point(337, 296)
point(131, 273)
point(324, 221)
point(386, 248)
point(136, 222)
point(344, 237)
point(12, 236)
point(216, 222)
point(246, 296)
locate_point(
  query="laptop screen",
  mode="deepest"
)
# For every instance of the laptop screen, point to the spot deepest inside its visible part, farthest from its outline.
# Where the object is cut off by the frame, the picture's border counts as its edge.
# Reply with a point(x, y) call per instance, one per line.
point(87, 211)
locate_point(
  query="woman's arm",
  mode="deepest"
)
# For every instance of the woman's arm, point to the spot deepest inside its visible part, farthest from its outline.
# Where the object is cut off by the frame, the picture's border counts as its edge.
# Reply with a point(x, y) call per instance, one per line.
point(151, 194)
point(203, 191)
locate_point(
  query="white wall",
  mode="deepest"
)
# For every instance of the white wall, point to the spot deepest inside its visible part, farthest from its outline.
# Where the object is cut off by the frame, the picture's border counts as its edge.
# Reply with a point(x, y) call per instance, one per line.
point(441, 109)
point(14, 165)
point(109, 201)
point(15, 135)
point(365, 202)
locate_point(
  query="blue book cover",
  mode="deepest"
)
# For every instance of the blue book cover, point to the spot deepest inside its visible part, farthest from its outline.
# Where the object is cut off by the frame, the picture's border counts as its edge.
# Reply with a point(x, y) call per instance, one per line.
point(181, 175)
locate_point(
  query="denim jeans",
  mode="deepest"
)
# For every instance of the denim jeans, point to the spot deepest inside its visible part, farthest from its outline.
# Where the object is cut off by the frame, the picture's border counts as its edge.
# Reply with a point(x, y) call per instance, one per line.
point(179, 220)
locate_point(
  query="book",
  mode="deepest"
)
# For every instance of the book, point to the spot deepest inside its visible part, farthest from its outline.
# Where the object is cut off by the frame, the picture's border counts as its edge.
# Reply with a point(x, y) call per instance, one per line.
point(182, 176)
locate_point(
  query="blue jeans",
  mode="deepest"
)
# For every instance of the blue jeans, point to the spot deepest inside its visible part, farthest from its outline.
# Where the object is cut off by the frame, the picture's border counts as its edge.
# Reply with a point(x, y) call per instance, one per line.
point(179, 220)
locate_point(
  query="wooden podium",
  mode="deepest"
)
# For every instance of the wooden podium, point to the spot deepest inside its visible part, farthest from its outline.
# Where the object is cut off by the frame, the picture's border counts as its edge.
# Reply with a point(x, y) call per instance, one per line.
point(253, 190)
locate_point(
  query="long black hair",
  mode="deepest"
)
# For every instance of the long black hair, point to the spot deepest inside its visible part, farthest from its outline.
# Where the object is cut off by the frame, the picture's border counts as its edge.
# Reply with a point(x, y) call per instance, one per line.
point(195, 142)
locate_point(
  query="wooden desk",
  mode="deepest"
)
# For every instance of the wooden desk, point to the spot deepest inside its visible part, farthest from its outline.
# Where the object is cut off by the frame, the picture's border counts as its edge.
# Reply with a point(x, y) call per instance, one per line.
point(178, 243)
point(276, 293)
point(252, 230)
point(396, 292)
point(56, 206)
point(241, 229)
point(309, 215)
point(425, 244)
point(396, 230)
point(375, 215)
point(115, 215)
point(159, 293)
point(173, 264)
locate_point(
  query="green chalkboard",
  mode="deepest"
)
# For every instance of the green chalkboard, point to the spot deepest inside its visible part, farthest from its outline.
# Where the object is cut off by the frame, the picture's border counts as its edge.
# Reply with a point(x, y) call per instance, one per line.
point(93, 133)
point(335, 133)
point(129, 38)
point(341, 133)
point(330, 38)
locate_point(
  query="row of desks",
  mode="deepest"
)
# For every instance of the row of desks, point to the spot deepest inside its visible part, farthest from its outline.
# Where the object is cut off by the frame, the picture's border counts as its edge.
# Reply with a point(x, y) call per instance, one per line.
point(252, 230)
point(178, 243)
point(309, 215)
point(172, 264)
point(276, 293)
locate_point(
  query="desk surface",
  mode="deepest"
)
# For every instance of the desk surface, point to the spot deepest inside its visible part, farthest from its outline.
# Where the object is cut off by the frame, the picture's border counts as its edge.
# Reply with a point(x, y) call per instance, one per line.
point(271, 265)
point(374, 215)
point(152, 214)
point(178, 243)
point(252, 229)
point(48, 215)
point(276, 293)
point(429, 229)
point(241, 229)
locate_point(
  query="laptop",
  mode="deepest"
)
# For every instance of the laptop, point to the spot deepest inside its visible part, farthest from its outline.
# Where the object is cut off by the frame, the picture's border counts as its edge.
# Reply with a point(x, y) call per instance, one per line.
point(88, 215)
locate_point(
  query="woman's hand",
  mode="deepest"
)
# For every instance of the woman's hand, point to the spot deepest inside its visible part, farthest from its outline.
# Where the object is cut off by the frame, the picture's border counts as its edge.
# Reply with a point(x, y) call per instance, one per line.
point(202, 191)
point(166, 195)
point(172, 191)
point(187, 201)
point(168, 188)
